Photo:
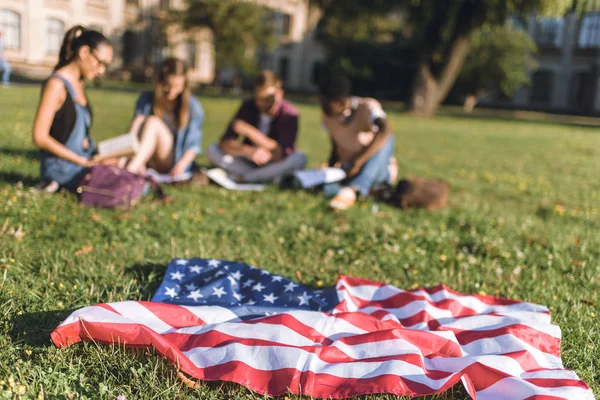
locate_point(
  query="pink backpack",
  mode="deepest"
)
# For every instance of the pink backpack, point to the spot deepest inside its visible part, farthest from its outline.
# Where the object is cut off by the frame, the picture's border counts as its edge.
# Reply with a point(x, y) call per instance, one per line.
point(109, 186)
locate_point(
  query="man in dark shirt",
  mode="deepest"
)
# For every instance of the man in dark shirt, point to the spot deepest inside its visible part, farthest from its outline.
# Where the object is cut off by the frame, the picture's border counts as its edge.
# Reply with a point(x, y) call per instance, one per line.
point(268, 125)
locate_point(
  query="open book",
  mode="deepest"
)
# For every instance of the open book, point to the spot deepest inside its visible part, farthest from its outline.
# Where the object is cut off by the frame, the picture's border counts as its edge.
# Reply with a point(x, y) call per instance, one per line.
point(120, 146)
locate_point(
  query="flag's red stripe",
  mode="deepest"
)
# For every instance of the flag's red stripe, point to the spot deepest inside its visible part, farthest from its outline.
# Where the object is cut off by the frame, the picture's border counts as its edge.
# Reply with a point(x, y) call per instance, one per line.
point(533, 337)
point(329, 354)
point(489, 300)
point(107, 307)
point(174, 315)
point(132, 334)
point(553, 382)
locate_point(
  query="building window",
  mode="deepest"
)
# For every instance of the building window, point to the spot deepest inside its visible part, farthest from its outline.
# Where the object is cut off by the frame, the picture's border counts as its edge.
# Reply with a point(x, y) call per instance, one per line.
point(317, 71)
point(541, 89)
point(589, 34)
point(550, 32)
point(164, 5)
point(10, 26)
point(581, 92)
point(129, 47)
point(282, 24)
point(54, 35)
point(284, 66)
point(192, 53)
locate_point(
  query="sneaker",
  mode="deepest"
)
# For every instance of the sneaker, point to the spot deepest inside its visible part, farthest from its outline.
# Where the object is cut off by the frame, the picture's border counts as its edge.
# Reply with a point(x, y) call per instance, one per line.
point(48, 187)
point(345, 199)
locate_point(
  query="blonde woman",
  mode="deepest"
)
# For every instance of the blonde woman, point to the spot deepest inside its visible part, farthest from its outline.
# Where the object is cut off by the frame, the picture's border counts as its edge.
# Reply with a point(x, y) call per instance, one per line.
point(168, 122)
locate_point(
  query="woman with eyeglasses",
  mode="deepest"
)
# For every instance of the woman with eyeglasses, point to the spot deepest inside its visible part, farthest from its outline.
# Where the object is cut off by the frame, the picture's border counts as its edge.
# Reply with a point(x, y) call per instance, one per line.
point(64, 116)
point(168, 122)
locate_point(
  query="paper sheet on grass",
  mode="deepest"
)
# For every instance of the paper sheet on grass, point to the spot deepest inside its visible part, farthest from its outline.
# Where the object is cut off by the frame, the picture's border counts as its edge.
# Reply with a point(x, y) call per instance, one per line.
point(220, 177)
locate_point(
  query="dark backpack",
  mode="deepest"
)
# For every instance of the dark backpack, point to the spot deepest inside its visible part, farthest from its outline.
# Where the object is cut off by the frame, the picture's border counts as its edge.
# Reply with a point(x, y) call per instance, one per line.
point(109, 186)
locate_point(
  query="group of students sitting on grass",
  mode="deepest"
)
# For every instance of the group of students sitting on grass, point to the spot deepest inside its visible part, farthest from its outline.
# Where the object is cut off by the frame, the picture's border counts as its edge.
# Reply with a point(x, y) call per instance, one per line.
point(258, 144)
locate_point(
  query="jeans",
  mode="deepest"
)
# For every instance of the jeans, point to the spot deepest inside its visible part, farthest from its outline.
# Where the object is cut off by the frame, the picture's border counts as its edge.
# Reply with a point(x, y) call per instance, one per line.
point(6, 69)
point(373, 173)
point(252, 173)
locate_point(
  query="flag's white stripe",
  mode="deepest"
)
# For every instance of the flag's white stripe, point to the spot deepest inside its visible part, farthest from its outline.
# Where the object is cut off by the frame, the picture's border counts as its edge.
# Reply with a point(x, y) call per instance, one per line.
point(212, 314)
point(370, 292)
point(382, 348)
point(95, 314)
point(376, 293)
point(141, 315)
point(508, 344)
point(275, 358)
point(515, 389)
point(505, 364)
point(550, 374)
point(412, 308)
point(273, 333)
point(491, 322)
point(327, 325)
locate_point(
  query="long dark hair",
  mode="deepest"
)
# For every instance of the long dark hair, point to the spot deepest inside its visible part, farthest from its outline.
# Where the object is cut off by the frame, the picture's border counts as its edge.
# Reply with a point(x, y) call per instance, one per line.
point(172, 66)
point(75, 38)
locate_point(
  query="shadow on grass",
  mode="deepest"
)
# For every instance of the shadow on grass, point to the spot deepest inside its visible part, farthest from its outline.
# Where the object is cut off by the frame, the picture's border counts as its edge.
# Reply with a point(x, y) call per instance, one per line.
point(149, 277)
point(33, 329)
point(13, 178)
point(31, 154)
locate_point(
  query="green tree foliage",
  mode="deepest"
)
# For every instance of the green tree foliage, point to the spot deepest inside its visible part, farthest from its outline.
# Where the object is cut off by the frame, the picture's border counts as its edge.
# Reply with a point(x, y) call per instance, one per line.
point(241, 29)
point(500, 60)
point(439, 31)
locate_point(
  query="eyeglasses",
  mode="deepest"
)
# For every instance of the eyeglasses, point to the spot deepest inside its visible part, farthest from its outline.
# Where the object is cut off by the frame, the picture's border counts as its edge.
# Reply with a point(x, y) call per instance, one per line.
point(101, 62)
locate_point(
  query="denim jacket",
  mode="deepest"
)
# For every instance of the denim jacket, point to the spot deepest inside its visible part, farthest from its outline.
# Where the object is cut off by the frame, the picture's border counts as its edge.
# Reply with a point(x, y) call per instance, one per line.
point(187, 138)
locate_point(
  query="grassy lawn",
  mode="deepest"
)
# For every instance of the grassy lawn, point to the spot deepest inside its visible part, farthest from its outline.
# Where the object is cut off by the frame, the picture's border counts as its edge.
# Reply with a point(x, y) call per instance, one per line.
point(523, 223)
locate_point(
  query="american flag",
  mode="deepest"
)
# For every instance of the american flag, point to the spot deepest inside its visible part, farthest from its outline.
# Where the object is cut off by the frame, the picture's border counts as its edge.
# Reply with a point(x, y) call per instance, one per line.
point(222, 320)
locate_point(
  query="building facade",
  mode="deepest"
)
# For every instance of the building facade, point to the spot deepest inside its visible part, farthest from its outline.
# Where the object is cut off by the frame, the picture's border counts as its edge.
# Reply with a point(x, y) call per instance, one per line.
point(33, 32)
point(568, 75)
point(298, 55)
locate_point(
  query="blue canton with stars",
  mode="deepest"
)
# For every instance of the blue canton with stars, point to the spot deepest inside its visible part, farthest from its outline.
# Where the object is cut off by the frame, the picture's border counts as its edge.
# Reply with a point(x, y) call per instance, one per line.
point(199, 281)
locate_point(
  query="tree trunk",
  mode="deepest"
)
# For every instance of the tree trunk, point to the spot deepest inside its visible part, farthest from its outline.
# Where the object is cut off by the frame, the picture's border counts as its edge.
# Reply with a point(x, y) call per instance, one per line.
point(470, 103)
point(430, 91)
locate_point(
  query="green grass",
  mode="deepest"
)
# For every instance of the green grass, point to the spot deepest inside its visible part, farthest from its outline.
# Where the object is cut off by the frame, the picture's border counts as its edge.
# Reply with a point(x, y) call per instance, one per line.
point(523, 223)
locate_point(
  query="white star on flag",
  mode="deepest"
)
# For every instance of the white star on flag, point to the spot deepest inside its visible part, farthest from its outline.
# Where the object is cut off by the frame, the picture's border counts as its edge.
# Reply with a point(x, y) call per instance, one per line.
point(264, 272)
point(276, 278)
point(171, 292)
point(258, 287)
point(195, 268)
point(177, 276)
point(219, 292)
point(290, 287)
point(237, 296)
point(251, 302)
point(226, 267)
point(232, 280)
point(270, 298)
point(237, 275)
point(304, 298)
point(213, 263)
point(181, 262)
point(219, 273)
point(195, 295)
point(248, 283)
point(191, 287)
